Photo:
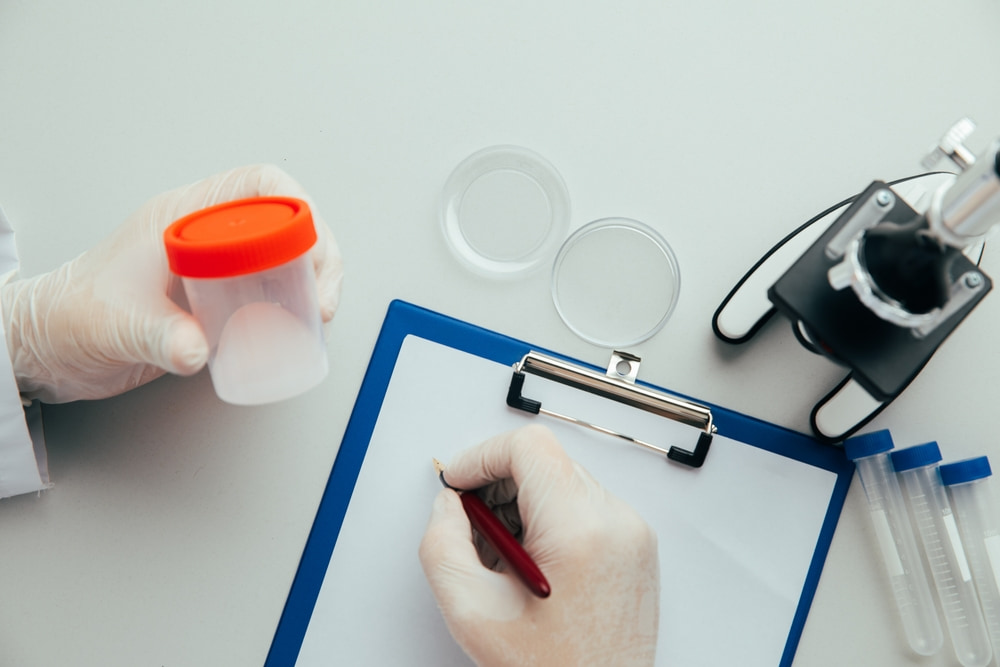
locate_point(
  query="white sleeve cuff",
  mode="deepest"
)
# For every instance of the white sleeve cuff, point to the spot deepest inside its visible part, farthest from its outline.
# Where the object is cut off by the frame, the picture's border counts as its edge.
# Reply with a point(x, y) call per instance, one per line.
point(23, 464)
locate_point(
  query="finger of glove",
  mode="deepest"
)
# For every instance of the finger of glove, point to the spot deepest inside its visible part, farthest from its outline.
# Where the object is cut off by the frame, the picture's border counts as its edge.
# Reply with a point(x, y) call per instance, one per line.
point(530, 456)
point(517, 455)
point(185, 348)
point(268, 180)
point(141, 323)
point(329, 268)
point(462, 585)
point(327, 262)
point(166, 337)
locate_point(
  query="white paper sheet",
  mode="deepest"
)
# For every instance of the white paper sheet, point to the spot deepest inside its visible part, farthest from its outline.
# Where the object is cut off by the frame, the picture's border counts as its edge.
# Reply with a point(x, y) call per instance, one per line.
point(736, 537)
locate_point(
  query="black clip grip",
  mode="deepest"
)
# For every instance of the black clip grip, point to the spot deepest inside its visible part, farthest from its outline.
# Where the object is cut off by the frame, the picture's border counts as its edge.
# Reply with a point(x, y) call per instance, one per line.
point(693, 459)
point(518, 401)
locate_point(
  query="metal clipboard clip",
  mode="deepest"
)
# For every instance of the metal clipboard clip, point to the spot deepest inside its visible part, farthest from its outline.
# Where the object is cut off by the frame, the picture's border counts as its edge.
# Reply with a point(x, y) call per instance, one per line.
point(617, 384)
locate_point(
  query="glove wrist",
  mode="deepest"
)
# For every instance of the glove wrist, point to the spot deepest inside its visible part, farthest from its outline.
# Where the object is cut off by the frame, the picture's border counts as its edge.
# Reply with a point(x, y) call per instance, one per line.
point(21, 316)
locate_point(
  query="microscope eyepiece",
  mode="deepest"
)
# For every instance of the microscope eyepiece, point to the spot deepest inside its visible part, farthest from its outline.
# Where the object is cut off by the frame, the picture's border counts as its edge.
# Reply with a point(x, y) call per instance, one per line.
point(962, 214)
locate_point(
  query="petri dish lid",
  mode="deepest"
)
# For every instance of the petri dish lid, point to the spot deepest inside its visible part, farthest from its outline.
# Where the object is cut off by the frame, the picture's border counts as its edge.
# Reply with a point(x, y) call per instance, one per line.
point(504, 211)
point(615, 282)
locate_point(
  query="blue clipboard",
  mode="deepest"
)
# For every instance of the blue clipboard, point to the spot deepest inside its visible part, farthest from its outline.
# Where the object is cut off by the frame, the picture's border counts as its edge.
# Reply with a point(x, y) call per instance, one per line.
point(405, 322)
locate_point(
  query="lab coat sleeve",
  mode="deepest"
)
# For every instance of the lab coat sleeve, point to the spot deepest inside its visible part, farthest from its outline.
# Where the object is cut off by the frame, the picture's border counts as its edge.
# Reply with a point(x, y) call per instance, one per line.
point(23, 464)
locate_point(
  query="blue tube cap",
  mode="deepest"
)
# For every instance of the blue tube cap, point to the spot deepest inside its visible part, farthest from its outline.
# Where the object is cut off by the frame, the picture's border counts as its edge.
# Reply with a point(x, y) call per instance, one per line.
point(868, 444)
point(968, 470)
point(917, 456)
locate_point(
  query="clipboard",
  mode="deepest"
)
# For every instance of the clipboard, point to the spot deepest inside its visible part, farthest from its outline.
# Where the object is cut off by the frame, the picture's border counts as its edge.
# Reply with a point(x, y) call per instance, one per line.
point(742, 537)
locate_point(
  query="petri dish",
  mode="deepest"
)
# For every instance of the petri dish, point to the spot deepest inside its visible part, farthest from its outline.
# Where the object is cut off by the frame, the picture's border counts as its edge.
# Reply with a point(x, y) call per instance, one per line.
point(504, 212)
point(615, 282)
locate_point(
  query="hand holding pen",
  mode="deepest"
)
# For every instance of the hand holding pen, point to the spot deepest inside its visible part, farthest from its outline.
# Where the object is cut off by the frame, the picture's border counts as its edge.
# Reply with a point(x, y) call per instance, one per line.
point(599, 556)
point(503, 544)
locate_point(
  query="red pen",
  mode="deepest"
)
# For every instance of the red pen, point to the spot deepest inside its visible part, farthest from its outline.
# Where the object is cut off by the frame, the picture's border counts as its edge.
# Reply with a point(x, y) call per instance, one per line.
point(499, 538)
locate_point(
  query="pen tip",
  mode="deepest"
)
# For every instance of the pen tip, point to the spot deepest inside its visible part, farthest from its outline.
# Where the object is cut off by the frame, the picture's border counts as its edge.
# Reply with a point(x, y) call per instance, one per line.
point(439, 467)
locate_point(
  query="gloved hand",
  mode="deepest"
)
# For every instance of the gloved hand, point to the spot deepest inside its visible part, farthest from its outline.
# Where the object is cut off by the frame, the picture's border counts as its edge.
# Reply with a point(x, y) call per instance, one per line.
point(598, 555)
point(104, 323)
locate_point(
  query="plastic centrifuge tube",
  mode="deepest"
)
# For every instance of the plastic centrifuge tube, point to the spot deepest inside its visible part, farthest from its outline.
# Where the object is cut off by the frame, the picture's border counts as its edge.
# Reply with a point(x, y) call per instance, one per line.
point(972, 499)
point(896, 541)
point(945, 554)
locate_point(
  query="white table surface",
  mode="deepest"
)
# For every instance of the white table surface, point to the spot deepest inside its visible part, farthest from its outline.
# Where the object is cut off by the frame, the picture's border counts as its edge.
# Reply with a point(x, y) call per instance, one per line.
point(176, 522)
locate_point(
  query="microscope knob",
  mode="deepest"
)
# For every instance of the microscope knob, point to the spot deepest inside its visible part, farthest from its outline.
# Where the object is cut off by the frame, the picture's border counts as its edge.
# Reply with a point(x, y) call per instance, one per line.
point(952, 146)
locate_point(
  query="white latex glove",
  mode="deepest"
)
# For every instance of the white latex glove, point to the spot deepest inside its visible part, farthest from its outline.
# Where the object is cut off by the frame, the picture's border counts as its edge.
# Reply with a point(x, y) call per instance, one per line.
point(104, 323)
point(598, 555)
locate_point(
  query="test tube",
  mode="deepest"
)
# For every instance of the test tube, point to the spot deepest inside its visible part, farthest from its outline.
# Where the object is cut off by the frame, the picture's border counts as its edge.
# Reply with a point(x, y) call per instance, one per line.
point(896, 541)
point(945, 554)
point(972, 498)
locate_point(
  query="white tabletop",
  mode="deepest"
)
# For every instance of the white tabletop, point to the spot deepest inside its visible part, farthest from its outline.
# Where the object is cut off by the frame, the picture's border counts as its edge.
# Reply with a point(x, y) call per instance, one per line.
point(176, 522)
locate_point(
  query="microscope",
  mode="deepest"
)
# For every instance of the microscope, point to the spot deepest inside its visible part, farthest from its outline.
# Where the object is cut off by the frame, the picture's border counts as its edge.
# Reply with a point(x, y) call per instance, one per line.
point(884, 285)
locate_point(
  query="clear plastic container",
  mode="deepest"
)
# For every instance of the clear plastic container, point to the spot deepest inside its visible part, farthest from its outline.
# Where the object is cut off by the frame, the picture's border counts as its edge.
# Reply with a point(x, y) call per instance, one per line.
point(972, 498)
point(945, 553)
point(250, 284)
point(504, 212)
point(615, 282)
point(896, 541)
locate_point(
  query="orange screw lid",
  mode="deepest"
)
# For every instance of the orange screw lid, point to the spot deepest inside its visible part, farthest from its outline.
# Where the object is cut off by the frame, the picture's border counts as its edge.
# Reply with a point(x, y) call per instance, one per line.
point(239, 237)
